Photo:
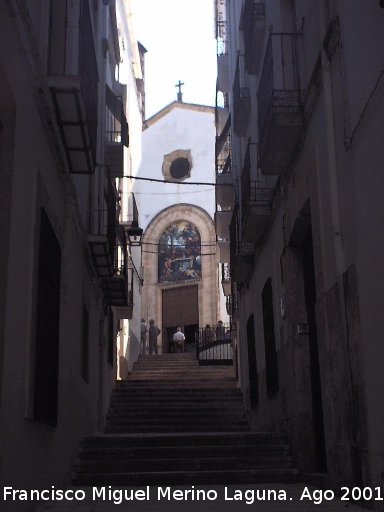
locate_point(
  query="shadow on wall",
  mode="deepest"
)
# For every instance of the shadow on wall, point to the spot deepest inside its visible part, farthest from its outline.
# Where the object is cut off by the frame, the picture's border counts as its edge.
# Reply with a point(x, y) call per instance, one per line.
point(133, 351)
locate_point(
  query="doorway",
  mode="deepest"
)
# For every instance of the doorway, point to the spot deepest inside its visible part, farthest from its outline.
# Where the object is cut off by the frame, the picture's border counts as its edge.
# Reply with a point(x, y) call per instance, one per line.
point(180, 307)
point(310, 304)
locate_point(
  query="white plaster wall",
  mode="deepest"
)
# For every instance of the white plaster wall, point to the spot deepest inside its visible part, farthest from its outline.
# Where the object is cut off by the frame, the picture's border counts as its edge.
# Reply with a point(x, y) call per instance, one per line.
point(181, 128)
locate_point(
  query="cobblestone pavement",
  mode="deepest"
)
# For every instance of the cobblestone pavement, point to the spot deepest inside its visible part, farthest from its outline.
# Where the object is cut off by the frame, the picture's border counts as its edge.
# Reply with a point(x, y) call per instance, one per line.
point(292, 503)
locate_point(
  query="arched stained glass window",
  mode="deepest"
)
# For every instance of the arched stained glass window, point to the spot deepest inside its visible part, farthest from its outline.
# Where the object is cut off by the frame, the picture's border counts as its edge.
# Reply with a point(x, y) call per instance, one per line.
point(180, 253)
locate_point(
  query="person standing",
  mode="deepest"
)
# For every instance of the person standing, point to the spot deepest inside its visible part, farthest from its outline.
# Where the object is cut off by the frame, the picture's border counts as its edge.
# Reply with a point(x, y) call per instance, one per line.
point(153, 333)
point(143, 336)
point(179, 339)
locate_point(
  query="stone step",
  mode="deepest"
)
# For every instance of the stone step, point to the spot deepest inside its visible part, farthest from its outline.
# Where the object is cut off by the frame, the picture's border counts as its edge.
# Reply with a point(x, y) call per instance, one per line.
point(166, 428)
point(177, 408)
point(266, 453)
point(254, 439)
point(171, 388)
point(187, 464)
point(223, 477)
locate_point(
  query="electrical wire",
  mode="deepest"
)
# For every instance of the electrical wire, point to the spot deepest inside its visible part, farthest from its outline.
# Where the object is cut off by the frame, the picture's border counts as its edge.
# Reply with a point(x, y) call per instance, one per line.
point(180, 182)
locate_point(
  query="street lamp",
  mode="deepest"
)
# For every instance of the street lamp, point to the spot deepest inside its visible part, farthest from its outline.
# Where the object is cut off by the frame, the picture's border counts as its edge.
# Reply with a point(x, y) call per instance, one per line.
point(134, 234)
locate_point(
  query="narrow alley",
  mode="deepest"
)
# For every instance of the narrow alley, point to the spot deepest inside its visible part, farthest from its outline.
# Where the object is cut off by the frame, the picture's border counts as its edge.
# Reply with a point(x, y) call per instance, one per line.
point(191, 270)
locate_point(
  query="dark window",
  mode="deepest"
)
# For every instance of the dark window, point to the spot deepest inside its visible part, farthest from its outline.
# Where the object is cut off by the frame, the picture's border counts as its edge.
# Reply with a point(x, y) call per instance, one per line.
point(272, 372)
point(85, 345)
point(180, 168)
point(47, 325)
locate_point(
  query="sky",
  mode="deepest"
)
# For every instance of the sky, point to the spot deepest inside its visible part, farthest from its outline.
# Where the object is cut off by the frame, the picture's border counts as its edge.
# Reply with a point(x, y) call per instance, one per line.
point(179, 36)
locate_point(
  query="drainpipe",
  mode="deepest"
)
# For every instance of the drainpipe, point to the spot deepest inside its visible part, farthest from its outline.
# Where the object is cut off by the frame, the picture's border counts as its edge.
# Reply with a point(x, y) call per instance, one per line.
point(331, 153)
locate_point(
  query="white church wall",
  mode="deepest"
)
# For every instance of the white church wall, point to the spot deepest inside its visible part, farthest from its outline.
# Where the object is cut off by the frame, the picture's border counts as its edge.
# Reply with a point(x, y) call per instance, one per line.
point(181, 126)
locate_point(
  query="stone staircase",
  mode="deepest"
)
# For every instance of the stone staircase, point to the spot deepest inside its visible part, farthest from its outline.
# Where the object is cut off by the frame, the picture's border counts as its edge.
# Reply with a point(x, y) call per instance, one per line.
point(175, 423)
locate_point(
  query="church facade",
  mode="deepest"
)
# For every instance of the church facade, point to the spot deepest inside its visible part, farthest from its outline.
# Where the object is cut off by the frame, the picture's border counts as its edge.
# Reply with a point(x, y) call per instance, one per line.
point(180, 264)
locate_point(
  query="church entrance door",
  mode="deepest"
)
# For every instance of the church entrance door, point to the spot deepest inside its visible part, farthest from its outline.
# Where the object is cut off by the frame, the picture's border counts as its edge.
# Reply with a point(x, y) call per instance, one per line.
point(180, 307)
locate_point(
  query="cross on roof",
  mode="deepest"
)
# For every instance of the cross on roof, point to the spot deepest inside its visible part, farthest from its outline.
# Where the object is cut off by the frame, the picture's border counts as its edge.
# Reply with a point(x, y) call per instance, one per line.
point(179, 94)
point(179, 84)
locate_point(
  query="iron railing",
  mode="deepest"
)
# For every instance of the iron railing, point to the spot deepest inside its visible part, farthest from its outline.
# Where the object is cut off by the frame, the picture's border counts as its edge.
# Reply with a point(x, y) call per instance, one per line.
point(225, 272)
point(280, 87)
point(231, 304)
point(223, 141)
point(214, 345)
point(222, 38)
point(116, 122)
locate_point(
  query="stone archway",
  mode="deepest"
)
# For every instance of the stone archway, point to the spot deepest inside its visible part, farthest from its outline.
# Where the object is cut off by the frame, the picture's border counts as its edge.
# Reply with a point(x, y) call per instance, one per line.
point(207, 285)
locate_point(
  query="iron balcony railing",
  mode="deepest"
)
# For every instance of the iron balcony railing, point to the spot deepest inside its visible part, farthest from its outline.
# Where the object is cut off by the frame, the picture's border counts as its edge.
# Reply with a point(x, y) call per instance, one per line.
point(256, 189)
point(223, 141)
point(224, 165)
point(225, 272)
point(233, 234)
point(221, 38)
point(116, 122)
point(280, 86)
point(231, 304)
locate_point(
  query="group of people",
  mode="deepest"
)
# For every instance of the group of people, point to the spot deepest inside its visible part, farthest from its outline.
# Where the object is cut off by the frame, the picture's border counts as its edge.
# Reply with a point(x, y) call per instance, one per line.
point(206, 335)
point(153, 332)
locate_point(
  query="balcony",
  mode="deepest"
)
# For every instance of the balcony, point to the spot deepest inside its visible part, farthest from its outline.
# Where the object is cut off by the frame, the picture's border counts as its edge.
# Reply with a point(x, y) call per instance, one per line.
point(242, 253)
point(226, 279)
point(117, 289)
point(222, 221)
point(221, 118)
point(224, 250)
point(231, 305)
point(280, 103)
point(225, 193)
point(253, 22)
point(116, 134)
point(256, 197)
point(241, 99)
point(75, 96)
point(102, 241)
point(222, 56)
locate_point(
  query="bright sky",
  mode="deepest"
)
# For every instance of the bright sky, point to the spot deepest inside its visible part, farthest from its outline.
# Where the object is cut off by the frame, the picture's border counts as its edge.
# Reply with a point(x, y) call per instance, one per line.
point(179, 36)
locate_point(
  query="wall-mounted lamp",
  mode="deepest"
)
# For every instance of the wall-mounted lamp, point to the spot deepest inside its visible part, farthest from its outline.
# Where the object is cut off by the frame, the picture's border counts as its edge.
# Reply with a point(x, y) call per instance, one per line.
point(134, 234)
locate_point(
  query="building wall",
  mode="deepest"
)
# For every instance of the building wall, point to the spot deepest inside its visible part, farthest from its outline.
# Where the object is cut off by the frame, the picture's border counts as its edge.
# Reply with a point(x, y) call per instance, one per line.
point(187, 128)
point(207, 285)
point(178, 126)
point(332, 185)
point(35, 175)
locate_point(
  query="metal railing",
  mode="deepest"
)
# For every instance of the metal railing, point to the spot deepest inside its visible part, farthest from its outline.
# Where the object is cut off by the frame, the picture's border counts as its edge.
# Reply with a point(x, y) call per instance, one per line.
point(116, 122)
point(113, 136)
point(231, 304)
point(224, 165)
point(225, 272)
point(221, 38)
point(214, 345)
point(280, 86)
